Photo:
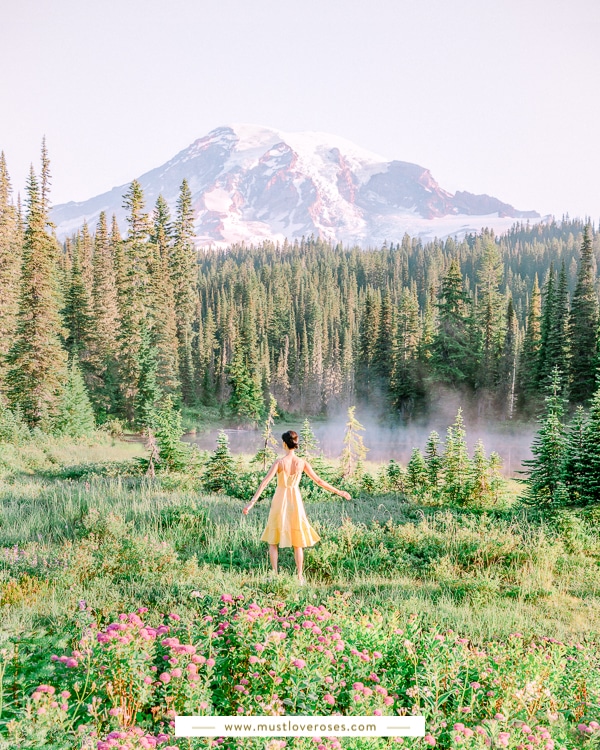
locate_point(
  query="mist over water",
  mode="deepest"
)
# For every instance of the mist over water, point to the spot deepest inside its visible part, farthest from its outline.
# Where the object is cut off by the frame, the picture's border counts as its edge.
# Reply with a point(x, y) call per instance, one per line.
point(511, 440)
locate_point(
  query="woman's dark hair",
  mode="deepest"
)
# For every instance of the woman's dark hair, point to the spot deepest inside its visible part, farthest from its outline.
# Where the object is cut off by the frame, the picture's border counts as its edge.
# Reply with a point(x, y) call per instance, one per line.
point(290, 438)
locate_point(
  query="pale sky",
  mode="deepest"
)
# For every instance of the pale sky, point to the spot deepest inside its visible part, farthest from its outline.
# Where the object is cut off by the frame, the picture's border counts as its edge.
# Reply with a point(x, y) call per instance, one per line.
point(493, 96)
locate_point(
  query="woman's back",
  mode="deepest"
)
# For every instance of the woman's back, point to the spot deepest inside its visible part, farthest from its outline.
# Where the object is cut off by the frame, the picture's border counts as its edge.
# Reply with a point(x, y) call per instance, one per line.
point(289, 471)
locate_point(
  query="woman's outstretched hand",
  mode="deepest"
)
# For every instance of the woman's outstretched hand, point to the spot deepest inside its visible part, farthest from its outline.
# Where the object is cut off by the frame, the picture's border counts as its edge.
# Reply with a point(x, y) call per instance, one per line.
point(345, 495)
point(247, 508)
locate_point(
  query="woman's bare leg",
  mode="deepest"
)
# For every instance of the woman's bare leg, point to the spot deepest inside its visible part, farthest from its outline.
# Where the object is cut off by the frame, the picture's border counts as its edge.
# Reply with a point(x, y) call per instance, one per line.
point(299, 557)
point(273, 549)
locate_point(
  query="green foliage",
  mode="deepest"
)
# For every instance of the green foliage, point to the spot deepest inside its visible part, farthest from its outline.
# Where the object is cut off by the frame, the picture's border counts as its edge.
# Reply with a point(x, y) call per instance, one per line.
point(246, 400)
point(354, 449)
point(546, 472)
point(173, 454)
point(583, 325)
point(417, 478)
point(219, 473)
point(75, 417)
point(36, 359)
point(148, 392)
point(308, 443)
point(268, 452)
point(13, 428)
point(451, 350)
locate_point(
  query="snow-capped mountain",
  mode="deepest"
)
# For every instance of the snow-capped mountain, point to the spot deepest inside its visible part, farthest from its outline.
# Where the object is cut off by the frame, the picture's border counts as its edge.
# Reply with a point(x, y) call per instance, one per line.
point(251, 183)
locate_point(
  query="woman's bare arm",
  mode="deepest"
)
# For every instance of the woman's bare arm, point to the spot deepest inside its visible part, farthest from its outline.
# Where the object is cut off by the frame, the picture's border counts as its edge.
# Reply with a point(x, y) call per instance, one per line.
point(270, 474)
point(322, 483)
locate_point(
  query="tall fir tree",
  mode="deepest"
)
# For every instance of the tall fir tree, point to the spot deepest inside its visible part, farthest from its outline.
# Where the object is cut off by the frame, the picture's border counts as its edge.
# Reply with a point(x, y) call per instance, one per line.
point(162, 313)
point(490, 311)
point(528, 361)
point(36, 359)
point(135, 295)
point(546, 469)
point(575, 455)
point(557, 345)
point(107, 321)
point(508, 364)
point(405, 384)
point(366, 379)
point(148, 392)
point(457, 464)
point(75, 415)
point(583, 326)
point(544, 363)
point(10, 266)
point(586, 485)
point(184, 277)
point(77, 314)
point(452, 353)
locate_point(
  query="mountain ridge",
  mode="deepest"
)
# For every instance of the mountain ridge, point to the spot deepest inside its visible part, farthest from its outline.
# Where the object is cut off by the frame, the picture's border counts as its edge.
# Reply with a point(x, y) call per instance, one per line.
point(251, 183)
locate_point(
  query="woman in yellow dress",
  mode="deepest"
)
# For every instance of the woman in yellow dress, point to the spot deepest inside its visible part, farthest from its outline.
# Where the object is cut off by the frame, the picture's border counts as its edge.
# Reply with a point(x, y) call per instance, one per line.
point(288, 525)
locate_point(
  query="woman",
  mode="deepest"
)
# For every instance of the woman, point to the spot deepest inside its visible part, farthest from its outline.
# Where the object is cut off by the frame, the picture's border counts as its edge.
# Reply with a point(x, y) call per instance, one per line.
point(287, 525)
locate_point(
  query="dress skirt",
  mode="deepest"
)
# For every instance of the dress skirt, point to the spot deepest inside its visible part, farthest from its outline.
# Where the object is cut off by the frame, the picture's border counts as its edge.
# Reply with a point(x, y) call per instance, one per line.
point(288, 525)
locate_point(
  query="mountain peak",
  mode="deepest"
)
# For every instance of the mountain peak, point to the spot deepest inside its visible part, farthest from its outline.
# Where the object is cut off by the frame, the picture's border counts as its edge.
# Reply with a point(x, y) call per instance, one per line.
point(250, 183)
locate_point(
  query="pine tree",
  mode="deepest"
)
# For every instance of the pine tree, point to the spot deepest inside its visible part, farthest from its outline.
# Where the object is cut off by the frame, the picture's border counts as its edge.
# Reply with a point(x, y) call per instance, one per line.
point(162, 313)
point(354, 449)
point(452, 354)
point(148, 392)
point(395, 476)
point(456, 463)
point(384, 342)
point(489, 276)
point(480, 488)
point(246, 400)
point(103, 361)
point(36, 359)
point(583, 325)
point(308, 444)
point(174, 455)
point(10, 266)
point(75, 416)
point(544, 364)
point(498, 485)
point(528, 360)
point(268, 452)
point(78, 316)
point(369, 322)
point(135, 294)
point(575, 450)
point(557, 346)
point(85, 249)
point(434, 461)
point(417, 479)
point(184, 274)
point(405, 386)
point(587, 484)
point(547, 465)
point(219, 472)
point(508, 364)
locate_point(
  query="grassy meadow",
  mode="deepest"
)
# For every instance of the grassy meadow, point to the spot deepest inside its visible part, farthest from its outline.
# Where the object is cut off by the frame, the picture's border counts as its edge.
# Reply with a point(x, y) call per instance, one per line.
point(126, 600)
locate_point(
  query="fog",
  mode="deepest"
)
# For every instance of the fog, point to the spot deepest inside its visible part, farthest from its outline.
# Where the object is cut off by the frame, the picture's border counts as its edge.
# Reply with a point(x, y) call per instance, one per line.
point(511, 440)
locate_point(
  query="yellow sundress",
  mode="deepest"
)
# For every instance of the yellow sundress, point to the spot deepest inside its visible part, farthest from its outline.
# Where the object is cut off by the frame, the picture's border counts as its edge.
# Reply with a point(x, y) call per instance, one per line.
point(288, 525)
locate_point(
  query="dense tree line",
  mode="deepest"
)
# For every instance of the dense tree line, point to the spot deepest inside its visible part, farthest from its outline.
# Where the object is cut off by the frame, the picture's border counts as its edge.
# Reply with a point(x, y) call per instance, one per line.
point(144, 315)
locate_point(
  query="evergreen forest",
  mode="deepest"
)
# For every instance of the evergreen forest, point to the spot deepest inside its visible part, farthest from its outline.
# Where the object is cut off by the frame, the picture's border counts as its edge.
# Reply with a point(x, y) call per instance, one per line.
point(127, 318)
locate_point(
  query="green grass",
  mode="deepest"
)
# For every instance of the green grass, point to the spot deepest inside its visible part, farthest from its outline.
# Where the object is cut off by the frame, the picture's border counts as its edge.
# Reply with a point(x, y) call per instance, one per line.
point(80, 523)
point(488, 572)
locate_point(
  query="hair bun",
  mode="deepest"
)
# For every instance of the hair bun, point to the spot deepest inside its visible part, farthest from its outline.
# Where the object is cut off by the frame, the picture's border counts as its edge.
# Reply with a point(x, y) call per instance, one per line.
point(290, 438)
